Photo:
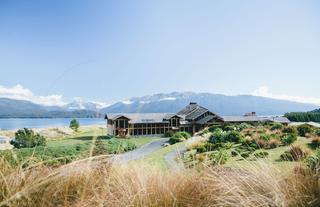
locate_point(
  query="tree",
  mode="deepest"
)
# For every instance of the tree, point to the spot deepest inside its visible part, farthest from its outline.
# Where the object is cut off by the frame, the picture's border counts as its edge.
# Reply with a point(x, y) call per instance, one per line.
point(74, 125)
point(27, 138)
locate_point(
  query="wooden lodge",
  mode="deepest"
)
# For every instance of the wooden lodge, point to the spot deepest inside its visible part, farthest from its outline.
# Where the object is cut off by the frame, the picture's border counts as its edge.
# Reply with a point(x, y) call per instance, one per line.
point(191, 119)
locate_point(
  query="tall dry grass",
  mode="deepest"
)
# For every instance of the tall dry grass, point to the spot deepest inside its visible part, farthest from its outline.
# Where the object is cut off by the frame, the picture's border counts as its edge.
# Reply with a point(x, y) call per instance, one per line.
point(95, 183)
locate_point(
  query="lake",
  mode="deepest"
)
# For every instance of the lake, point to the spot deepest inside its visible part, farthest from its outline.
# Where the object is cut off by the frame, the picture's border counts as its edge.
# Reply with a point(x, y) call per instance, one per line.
point(14, 124)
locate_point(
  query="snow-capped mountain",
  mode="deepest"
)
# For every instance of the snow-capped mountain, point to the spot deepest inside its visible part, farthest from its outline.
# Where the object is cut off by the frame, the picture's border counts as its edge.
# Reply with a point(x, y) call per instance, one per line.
point(79, 104)
point(221, 104)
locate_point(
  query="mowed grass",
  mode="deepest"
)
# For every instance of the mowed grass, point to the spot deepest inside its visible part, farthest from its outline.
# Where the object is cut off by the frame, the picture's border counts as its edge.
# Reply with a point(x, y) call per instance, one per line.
point(68, 149)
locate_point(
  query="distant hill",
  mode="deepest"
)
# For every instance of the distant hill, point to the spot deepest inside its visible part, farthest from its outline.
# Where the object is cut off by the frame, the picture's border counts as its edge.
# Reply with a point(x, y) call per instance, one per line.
point(221, 104)
point(158, 103)
point(316, 111)
point(10, 108)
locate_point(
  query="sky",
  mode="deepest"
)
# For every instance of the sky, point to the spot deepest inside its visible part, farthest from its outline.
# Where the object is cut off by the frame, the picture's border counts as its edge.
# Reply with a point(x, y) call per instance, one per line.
point(109, 50)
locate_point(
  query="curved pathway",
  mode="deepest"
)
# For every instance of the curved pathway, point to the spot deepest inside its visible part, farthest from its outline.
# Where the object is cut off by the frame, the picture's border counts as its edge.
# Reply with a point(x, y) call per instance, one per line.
point(145, 150)
point(171, 159)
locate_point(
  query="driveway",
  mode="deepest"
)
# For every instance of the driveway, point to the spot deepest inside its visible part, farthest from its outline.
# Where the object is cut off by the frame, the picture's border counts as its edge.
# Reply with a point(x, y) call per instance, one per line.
point(171, 159)
point(145, 150)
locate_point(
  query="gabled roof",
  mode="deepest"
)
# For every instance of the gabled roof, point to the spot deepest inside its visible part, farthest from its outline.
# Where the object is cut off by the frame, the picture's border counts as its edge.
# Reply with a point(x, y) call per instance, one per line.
point(192, 111)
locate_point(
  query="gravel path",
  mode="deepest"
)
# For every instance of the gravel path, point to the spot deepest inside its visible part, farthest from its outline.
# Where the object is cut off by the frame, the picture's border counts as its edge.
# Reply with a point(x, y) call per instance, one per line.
point(171, 159)
point(140, 152)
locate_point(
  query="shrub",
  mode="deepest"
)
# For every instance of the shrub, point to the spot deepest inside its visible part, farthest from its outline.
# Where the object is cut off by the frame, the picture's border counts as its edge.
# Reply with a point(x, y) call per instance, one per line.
point(304, 129)
point(276, 126)
point(219, 157)
point(265, 137)
point(313, 162)
point(245, 154)
point(290, 130)
point(217, 136)
point(274, 143)
point(174, 140)
point(262, 143)
point(200, 148)
point(169, 133)
point(185, 135)
point(201, 158)
point(229, 127)
point(25, 138)
point(295, 153)
point(317, 132)
point(213, 128)
point(234, 136)
point(243, 126)
point(261, 154)
point(315, 142)
point(74, 125)
point(234, 153)
point(289, 139)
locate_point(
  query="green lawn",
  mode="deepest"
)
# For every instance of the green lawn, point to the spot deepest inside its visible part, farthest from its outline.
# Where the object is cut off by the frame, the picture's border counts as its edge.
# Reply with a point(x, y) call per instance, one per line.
point(68, 149)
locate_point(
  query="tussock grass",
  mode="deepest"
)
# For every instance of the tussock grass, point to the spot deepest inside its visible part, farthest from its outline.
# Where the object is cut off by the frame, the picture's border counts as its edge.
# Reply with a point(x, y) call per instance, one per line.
point(97, 182)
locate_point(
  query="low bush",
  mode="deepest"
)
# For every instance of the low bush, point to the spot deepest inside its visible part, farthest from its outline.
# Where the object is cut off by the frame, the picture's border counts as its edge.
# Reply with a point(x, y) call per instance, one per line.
point(317, 132)
point(315, 142)
point(288, 139)
point(217, 136)
point(234, 136)
point(186, 135)
point(295, 153)
point(313, 162)
point(169, 133)
point(274, 143)
point(179, 137)
point(290, 130)
point(276, 126)
point(229, 127)
point(265, 137)
point(219, 157)
point(262, 154)
point(262, 143)
point(243, 126)
point(245, 154)
point(214, 128)
point(174, 140)
point(304, 129)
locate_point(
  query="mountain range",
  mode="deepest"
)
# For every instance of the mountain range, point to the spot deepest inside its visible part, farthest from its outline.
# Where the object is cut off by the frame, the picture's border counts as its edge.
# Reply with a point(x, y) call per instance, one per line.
point(158, 103)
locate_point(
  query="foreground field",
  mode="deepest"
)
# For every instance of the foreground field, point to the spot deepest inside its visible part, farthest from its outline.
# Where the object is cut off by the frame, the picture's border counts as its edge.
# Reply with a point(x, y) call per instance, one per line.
point(90, 177)
point(101, 184)
point(68, 148)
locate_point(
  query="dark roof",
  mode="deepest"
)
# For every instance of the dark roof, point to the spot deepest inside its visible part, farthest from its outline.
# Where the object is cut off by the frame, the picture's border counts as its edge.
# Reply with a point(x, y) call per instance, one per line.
point(192, 111)
point(255, 119)
point(205, 119)
point(141, 117)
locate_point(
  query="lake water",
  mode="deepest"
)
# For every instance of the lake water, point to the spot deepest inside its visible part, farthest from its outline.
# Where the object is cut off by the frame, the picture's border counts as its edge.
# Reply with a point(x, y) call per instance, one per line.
point(14, 124)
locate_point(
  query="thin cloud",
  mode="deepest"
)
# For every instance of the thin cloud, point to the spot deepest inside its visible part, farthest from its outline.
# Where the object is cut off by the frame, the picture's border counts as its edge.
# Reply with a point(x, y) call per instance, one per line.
point(265, 92)
point(18, 92)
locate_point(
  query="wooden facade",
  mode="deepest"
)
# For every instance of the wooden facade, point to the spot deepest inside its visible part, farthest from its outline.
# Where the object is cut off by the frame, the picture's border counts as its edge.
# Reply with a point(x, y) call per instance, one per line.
point(191, 119)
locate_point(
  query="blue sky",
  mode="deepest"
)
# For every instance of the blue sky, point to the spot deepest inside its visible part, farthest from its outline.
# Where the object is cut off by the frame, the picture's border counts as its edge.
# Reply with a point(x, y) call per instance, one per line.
point(111, 50)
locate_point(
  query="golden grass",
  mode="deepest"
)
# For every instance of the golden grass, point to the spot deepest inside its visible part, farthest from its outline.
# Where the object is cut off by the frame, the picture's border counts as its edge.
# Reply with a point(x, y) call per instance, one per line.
point(96, 182)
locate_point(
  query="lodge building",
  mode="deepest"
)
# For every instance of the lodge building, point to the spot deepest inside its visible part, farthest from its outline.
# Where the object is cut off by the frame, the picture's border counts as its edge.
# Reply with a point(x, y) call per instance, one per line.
point(191, 119)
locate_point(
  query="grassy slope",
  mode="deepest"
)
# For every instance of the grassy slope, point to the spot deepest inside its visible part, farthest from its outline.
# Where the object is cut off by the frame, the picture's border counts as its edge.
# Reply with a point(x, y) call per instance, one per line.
point(157, 159)
point(273, 157)
point(64, 150)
